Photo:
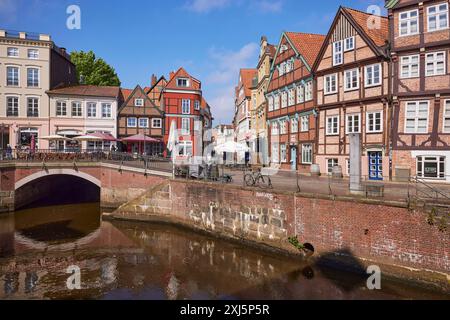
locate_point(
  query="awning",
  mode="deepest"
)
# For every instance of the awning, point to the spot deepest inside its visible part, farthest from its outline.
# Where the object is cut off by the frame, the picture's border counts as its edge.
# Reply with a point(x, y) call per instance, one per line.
point(140, 138)
point(90, 137)
point(55, 137)
point(104, 136)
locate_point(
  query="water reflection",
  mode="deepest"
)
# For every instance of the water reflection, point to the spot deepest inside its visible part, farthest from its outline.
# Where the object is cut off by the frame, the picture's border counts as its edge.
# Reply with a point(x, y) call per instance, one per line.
point(143, 261)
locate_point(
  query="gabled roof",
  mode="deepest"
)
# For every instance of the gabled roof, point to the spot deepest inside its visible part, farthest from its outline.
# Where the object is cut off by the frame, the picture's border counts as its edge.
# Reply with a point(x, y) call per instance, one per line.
point(132, 94)
point(378, 35)
point(375, 38)
point(87, 90)
point(126, 93)
point(195, 84)
point(157, 84)
point(306, 44)
point(247, 76)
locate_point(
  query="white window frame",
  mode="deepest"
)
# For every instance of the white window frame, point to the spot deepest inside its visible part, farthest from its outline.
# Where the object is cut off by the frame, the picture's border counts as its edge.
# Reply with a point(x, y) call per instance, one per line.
point(437, 15)
point(16, 106)
point(9, 50)
point(283, 153)
point(348, 80)
point(333, 130)
point(307, 153)
point(408, 21)
point(157, 126)
point(79, 109)
point(304, 124)
point(406, 61)
point(91, 106)
point(346, 44)
point(185, 146)
point(328, 84)
point(185, 129)
point(435, 61)
point(446, 115)
point(180, 82)
point(275, 129)
point(131, 125)
point(372, 122)
point(334, 162)
point(139, 102)
point(33, 54)
point(291, 97)
point(277, 102)
point(422, 159)
point(144, 123)
point(106, 105)
point(380, 79)
point(294, 125)
point(34, 107)
point(352, 128)
point(35, 79)
point(197, 105)
point(300, 94)
point(284, 99)
point(338, 52)
point(417, 117)
point(309, 91)
point(61, 108)
point(283, 127)
point(17, 76)
point(271, 103)
point(186, 106)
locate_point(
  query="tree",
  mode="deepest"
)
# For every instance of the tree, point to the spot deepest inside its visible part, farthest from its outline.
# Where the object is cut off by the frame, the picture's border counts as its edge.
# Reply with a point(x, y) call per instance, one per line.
point(94, 71)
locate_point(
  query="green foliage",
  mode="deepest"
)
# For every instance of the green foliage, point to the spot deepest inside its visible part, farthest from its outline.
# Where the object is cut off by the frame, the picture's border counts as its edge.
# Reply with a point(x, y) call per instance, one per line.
point(443, 225)
point(432, 217)
point(294, 241)
point(94, 71)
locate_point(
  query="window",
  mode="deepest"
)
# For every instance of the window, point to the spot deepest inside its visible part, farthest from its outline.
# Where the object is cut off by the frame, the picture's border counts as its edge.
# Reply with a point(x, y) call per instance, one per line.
point(183, 82)
point(447, 117)
point(32, 107)
point(283, 127)
point(331, 164)
point(294, 125)
point(417, 117)
point(185, 148)
point(12, 52)
point(307, 153)
point(291, 97)
point(330, 84)
point(12, 76)
point(374, 122)
point(275, 129)
point(13, 106)
point(437, 17)
point(283, 68)
point(352, 79)
point(373, 75)
point(61, 108)
point(92, 110)
point(409, 66)
point(275, 153)
point(332, 125)
point(131, 122)
point(197, 105)
point(270, 103)
point(33, 54)
point(435, 63)
point(77, 109)
point(106, 110)
point(33, 77)
point(284, 98)
point(186, 106)
point(143, 123)
point(349, 44)
point(139, 102)
point(308, 91)
point(185, 126)
point(277, 102)
point(300, 94)
point(347, 164)
point(304, 123)
point(283, 153)
point(409, 23)
point(157, 123)
point(353, 123)
point(431, 167)
point(337, 53)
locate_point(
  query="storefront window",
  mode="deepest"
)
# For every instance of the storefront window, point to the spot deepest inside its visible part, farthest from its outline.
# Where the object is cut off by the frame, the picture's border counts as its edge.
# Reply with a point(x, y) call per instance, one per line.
point(26, 138)
point(431, 167)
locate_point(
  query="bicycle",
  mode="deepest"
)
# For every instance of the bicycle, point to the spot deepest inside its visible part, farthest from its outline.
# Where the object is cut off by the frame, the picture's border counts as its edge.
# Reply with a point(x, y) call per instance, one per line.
point(257, 179)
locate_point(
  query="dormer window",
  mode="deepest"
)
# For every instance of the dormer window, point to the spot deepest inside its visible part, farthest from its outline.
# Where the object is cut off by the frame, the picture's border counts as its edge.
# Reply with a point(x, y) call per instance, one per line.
point(349, 44)
point(283, 48)
point(183, 82)
point(139, 102)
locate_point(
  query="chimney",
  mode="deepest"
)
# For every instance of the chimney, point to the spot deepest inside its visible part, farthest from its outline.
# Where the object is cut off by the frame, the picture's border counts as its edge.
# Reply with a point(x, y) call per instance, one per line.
point(22, 35)
point(154, 79)
point(63, 50)
point(2, 33)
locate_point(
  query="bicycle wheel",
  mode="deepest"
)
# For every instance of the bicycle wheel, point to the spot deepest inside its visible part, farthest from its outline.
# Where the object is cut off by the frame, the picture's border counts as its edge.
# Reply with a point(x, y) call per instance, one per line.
point(264, 182)
point(249, 180)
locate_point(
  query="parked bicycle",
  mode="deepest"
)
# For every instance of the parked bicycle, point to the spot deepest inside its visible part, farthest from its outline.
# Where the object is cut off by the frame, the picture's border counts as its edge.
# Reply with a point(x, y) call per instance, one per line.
point(257, 179)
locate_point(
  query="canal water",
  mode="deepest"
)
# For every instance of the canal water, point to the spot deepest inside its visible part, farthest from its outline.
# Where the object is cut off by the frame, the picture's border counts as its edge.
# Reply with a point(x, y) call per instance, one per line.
point(122, 260)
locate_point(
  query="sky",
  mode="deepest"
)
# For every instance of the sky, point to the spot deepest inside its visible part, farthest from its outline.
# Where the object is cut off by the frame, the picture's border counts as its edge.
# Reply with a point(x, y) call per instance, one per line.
point(211, 39)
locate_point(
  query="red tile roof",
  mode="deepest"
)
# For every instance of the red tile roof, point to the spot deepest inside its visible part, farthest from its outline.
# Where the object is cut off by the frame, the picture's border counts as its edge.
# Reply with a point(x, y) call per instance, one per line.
point(378, 35)
point(247, 76)
point(307, 44)
point(126, 93)
point(86, 90)
point(181, 73)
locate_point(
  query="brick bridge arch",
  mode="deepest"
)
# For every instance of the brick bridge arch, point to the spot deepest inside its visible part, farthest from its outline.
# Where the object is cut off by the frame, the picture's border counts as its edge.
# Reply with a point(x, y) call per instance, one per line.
point(53, 172)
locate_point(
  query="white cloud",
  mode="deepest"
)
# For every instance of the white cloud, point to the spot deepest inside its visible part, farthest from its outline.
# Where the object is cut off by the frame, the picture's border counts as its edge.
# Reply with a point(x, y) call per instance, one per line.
point(223, 78)
point(204, 6)
point(267, 6)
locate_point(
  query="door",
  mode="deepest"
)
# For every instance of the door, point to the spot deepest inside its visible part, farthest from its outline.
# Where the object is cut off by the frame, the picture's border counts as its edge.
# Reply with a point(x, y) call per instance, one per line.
point(376, 165)
point(294, 158)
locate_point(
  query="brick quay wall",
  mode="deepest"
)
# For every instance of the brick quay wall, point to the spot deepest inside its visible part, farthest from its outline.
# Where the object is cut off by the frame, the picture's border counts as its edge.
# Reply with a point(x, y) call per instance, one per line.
point(344, 230)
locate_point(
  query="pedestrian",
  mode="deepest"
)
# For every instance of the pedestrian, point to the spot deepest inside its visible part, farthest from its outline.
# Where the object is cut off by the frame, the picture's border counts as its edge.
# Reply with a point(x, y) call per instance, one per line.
point(9, 152)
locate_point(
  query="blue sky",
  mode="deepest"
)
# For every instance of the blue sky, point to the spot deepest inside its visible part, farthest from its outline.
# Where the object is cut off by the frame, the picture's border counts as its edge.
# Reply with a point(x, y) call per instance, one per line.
point(212, 39)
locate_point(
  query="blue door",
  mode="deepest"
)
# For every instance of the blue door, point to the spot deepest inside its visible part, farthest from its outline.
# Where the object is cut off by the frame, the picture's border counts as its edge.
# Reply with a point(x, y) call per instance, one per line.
point(375, 165)
point(294, 158)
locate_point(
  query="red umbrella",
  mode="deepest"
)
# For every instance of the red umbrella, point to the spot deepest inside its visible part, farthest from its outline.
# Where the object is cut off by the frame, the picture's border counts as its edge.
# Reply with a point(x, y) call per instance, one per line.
point(140, 138)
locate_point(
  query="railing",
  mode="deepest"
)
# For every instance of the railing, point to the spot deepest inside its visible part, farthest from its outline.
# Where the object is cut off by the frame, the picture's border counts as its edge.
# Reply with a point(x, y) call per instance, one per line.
point(427, 191)
point(146, 162)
